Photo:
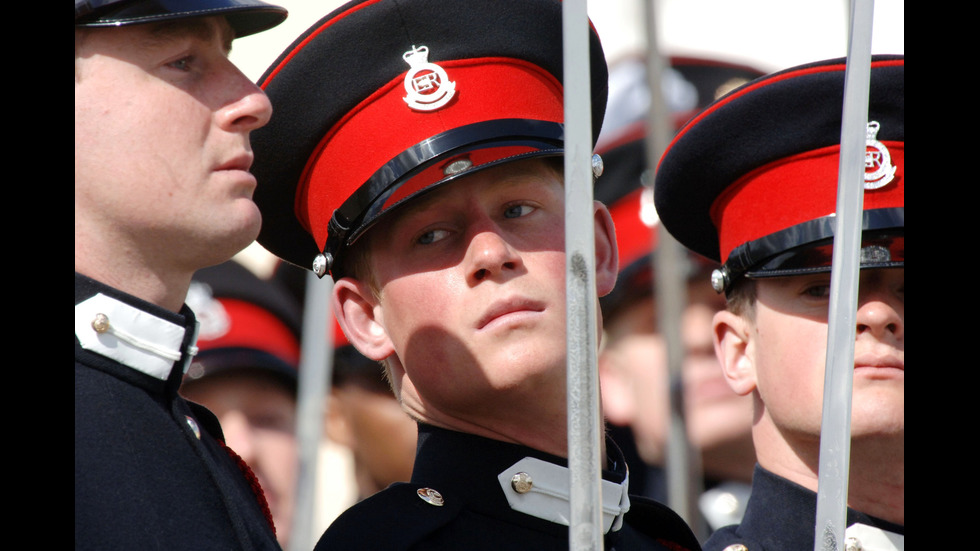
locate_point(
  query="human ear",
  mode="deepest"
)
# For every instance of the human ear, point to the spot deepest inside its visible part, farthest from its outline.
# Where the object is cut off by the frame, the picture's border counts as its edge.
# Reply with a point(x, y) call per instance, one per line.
point(360, 315)
point(733, 346)
point(606, 252)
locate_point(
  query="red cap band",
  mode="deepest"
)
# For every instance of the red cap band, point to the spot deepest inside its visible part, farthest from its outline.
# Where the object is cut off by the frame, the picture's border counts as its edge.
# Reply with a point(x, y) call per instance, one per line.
point(352, 151)
point(251, 326)
point(804, 187)
point(633, 237)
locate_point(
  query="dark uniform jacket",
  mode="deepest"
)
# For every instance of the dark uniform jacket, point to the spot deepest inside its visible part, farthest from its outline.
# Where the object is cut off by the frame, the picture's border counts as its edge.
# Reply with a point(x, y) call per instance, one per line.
point(781, 515)
point(151, 471)
point(460, 498)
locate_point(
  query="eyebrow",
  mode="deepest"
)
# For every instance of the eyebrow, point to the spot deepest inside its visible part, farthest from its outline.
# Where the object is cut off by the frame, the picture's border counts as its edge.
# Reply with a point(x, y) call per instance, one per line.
point(199, 28)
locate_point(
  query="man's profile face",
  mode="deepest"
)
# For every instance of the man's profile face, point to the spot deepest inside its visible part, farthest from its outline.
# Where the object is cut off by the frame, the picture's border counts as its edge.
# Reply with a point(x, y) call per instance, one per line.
point(162, 119)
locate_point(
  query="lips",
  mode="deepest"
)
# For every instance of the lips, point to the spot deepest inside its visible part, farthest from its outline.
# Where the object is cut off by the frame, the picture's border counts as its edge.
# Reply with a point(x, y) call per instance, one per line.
point(886, 361)
point(241, 162)
point(505, 309)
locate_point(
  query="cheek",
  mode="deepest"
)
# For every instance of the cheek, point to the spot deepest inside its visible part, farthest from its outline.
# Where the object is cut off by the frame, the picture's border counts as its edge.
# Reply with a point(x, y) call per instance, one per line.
point(790, 361)
point(409, 304)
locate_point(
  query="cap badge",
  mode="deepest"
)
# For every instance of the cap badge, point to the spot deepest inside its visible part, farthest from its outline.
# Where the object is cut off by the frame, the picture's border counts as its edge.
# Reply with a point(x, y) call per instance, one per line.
point(427, 84)
point(878, 169)
point(875, 254)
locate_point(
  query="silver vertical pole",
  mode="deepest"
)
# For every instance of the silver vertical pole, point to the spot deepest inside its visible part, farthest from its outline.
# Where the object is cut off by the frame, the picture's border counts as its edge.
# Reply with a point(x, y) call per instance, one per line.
point(316, 365)
point(584, 421)
point(682, 466)
point(835, 434)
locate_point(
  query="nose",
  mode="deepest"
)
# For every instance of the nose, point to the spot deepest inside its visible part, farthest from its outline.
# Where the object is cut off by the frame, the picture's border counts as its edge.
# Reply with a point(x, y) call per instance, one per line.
point(491, 257)
point(238, 434)
point(248, 108)
point(881, 314)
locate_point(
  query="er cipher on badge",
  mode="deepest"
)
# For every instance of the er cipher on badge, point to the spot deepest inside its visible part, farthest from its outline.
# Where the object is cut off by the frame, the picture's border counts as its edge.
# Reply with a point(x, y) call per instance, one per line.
point(878, 169)
point(426, 84)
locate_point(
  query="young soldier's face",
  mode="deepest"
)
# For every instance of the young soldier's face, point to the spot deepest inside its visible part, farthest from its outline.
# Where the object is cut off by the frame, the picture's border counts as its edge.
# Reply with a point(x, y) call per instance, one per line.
point(472, 296)
point(162, 122)
point(788, 350)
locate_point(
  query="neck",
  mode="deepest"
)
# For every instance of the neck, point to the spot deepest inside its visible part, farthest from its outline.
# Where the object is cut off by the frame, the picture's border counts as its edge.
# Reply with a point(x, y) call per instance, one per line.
point(876, 485)
point(548, 433)
point(125, 272)
point(877, 480)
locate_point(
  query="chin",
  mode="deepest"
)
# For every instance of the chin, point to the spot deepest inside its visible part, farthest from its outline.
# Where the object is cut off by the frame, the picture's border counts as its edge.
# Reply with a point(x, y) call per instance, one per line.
point(247, 230)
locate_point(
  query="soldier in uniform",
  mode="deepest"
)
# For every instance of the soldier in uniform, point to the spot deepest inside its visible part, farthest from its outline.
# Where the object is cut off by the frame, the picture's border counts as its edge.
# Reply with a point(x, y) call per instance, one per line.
point(417, 158)
point(751, 183)
point(162, 188)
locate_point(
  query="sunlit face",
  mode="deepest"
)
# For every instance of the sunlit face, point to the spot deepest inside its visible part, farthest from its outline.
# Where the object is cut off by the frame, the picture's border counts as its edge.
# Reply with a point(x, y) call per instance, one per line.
point(258, 419)
point(788, 342)
point(472, 295)
point(162, 154)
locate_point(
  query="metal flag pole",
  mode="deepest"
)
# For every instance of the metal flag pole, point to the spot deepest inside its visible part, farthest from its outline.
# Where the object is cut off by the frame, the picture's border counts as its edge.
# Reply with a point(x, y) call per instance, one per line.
point(835, 434)
point(584, 420)
point(316, 365)
point(682, 465)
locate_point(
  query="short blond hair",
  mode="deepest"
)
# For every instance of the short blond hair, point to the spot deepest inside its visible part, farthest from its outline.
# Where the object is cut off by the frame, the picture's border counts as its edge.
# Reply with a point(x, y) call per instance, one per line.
point(741, 299)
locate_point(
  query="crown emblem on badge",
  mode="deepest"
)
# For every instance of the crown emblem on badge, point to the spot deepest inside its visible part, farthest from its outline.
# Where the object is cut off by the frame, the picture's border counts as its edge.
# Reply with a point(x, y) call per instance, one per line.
point(878, 169)
point(426, 84)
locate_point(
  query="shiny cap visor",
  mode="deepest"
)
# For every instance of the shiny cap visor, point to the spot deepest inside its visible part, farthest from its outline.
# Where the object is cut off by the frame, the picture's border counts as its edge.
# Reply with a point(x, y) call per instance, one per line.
point(246, 17)
point(878, 251)
point(807, 248)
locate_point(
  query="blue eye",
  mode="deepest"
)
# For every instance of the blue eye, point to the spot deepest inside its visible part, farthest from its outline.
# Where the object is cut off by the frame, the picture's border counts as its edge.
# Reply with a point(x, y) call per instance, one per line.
point(432, 236)
point(516, 211)
point(818, 291)
point(182, 64)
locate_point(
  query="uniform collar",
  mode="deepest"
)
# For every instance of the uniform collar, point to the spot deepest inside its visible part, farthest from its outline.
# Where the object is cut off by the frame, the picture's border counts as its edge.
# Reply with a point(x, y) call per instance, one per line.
point(133, 332)
point(781, 514)
point(480, 471)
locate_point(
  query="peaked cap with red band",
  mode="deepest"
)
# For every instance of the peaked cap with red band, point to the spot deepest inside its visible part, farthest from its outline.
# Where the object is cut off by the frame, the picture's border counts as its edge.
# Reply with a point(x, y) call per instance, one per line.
point(247, 323)
point(385, 99)
point(751, 181)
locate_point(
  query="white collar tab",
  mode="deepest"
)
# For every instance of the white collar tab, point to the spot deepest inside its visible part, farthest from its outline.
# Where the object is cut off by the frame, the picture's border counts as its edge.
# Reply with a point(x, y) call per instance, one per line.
point(130, 336)
point(541, 489)
point(869, 538)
